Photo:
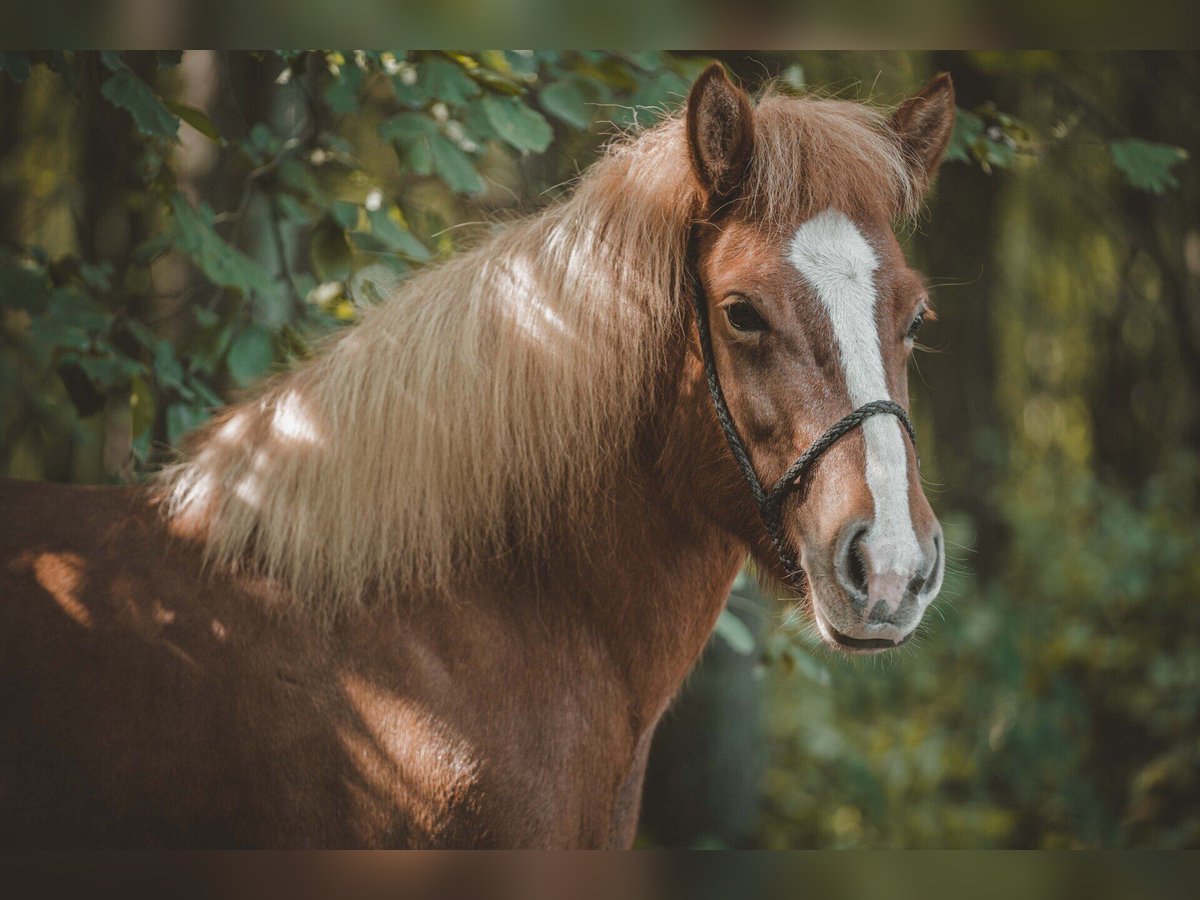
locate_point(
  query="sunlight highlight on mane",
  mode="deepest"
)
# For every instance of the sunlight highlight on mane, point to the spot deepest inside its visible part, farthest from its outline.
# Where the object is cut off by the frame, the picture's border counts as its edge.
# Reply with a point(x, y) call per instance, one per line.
point(490, 398)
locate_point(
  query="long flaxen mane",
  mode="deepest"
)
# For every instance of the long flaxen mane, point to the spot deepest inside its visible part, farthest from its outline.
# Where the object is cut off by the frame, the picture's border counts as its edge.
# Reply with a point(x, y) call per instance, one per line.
point(499, 391)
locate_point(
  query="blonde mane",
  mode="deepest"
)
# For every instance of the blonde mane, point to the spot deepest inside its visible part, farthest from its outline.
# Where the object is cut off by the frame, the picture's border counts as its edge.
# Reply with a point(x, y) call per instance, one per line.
point(503, 387)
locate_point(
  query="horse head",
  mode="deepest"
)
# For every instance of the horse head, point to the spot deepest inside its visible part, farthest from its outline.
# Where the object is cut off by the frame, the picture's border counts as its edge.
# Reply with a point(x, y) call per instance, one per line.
point(808, 311)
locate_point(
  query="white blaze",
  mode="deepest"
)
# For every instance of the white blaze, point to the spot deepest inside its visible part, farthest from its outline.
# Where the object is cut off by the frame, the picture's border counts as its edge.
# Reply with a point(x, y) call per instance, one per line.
point(839, 263)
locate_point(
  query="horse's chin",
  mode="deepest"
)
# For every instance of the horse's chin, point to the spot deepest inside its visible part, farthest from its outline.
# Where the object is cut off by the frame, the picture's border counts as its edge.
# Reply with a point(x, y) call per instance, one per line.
point(862, 639)
point(867, 641)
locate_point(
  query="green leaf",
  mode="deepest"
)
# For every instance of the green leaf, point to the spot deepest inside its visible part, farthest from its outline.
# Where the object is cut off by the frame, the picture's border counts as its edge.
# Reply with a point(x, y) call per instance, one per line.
point(128, 92)
point(1147, 165)
point(566, 101)
point(521, 127)
point(650, 60)
point(56, 333)
point(338, 146)
point(395, 236)
point(223, 264)
point(407, 127)
point(521, 63)
point(97, 277)
point(412, 94)
point(416, 157)
point(70, 304)
point(168, 371)
point(205, 317)
point(251, 354)
point(345, 213)
point(497, 82)
point(299, 178)
point(494, 70)
point(110, 371)
point(196, 118)
point(454, 166)
point(998, 153)
point(443, 80)
point(733, 631)
point(437, 78)
point(182, 418)
point(262, 143)
point(475, 121)
point(989, 138)
point(292, 210)
point(342, 93)
point(410, 132)
point(665, 90)
point(72, 320)
point(967, 129)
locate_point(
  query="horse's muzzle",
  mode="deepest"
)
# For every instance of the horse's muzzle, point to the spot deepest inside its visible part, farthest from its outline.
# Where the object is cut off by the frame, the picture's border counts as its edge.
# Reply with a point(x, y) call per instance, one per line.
point(879, 593)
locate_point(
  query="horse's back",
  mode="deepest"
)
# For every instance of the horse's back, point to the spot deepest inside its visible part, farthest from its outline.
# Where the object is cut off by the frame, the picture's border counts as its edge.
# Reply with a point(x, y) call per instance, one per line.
point(143, 702)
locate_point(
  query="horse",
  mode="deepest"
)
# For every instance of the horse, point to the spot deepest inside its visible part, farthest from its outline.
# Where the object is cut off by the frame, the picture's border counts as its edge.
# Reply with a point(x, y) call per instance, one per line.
point(436, 585)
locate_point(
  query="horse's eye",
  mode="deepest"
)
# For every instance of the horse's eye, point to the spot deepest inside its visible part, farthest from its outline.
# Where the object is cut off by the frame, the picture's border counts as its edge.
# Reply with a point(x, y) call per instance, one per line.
point(743, 316)
point(915, 326)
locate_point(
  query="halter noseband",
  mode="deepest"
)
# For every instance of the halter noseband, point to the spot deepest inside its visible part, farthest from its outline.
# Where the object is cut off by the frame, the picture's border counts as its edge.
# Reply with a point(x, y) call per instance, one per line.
point(770, 503)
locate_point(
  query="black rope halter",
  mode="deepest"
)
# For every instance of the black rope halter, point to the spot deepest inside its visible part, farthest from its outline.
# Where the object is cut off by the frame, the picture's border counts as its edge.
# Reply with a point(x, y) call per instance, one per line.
point(770, 502)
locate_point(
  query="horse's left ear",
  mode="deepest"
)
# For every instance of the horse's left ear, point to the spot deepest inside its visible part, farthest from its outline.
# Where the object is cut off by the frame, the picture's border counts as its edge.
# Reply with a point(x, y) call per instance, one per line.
point(720, 133)
point(924, 123)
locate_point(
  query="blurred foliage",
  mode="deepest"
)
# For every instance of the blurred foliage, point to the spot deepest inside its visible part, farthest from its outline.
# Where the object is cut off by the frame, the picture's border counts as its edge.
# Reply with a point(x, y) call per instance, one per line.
point(178, 225)
point(313, 203)
point(1057, 707)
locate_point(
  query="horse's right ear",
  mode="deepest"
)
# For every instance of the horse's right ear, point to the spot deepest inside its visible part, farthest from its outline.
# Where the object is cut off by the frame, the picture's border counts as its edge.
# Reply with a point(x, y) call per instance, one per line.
point(720, 133)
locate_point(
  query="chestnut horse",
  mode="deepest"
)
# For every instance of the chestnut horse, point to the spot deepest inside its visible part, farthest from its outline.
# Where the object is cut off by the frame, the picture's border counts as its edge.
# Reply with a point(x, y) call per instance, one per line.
point(437, 585)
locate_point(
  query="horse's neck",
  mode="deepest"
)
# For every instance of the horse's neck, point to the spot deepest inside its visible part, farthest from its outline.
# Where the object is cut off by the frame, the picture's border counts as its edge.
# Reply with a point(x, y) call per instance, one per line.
point(650, 583)
point(665, 578)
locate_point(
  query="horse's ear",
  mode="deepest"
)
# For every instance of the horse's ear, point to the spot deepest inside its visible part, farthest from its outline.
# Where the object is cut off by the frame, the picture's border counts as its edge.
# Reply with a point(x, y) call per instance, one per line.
point(720, 133)
point(924, 123)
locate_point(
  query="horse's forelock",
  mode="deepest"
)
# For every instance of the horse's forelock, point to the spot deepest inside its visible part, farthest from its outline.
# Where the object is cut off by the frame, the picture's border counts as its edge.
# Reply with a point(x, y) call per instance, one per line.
point(816, 154)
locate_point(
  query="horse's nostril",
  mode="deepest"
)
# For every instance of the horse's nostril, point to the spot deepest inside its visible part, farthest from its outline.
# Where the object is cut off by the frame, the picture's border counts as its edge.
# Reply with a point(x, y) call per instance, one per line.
point(918, 585)
point(856, 563)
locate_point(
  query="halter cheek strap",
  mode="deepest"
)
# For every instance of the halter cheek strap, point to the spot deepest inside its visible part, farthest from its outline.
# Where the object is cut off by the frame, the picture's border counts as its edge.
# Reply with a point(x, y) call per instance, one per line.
point(770, 502)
